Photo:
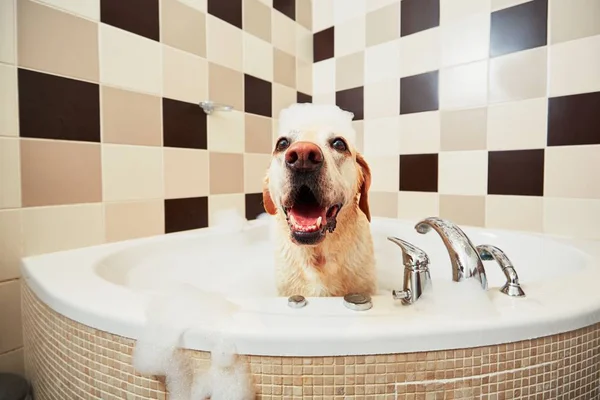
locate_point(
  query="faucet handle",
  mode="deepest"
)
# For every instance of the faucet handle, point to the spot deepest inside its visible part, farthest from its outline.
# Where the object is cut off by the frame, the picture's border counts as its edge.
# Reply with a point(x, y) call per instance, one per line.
point(488, 252)
point(412, 256)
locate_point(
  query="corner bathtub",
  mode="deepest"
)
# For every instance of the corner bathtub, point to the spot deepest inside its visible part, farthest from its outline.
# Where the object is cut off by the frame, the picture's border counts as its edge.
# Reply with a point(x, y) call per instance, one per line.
point(83, 310)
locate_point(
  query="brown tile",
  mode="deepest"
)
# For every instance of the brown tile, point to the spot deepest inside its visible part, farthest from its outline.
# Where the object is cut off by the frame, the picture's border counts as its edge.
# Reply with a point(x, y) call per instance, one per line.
point(419, 15)
point(258, 96)
point(419, 93)
point(286, 7)
point(258, 134)
point(284, 68)
point(184, 125)
point(574, 120)
point(463, 129)
point(323, 45)
point(51, 107)
point(11, 244)
point(517, 28)
point(257, 19)
point(10, 313)
point(303, 97)
point(351, 100)
point(304, 14)
point(56, 172)
point(186, 214)
point(133, 220)
point(183, 27)
point(57, 42)
point(233, 180)
point(229, 11)
point(463, 210)
point(130, 117)
point(517, 172)
point(137, 16)
point(226, 86)
point(254, 205)
point(382, 25)
point(419, 172)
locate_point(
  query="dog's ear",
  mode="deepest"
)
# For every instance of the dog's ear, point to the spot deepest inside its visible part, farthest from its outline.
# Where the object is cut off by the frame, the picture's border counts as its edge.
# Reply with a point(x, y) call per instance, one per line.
point(365, 184)
point(267, 200)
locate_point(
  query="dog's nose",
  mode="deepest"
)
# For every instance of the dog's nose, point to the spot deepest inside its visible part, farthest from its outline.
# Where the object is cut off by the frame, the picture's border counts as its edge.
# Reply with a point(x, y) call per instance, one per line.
point(304, 157)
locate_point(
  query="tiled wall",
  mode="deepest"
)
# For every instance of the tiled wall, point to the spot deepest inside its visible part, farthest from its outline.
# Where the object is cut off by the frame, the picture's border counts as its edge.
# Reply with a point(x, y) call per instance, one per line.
point(101, 137)
point(486, 112)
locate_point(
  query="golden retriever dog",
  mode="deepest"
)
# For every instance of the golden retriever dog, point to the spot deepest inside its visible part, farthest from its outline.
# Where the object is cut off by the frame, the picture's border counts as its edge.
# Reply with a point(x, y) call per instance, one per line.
point(316, 188)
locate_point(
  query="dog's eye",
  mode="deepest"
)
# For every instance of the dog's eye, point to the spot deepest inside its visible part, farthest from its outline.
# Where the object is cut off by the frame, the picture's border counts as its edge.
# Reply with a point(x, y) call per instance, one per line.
point(339, 145)
point(282, 144)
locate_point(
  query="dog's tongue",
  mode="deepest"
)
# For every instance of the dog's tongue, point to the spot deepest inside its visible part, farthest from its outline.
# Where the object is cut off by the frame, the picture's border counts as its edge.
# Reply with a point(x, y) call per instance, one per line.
point(308, 215)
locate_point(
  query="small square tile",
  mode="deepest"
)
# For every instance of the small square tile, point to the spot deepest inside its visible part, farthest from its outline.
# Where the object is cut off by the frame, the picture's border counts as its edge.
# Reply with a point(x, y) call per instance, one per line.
point(283, 97)
point(382, 99)
point(518, 76)
point(323, 45)
point(463, 172)
point(420, 52)
point(574, 67)
point(303, 97)
point(254, 205)
point(385, 172)
point(185, 173)
point(574, 120)
point(419, 133)
point(350, 71)
point(258, 58)
point(233, 181)
point(382, 136)
point(229, 11)
point(418, 205)
point(186, 214)
point(568, 172)
point(226, 132)
point(572, 217)
point(419, 93)
point(132, 220)
point(575, 19)
point(383, 25)
point(184, 76)
point(219, 32)
point(304, 14)
point(284, 68)
point(11, 237)
point(464, 129)
point(517, 172)
point(258, 96)
point(226, 86)
point(137, 16)
point(257, 19)
point(184, 125)
point(517, 125)
point(304, 46)
point(382, 62)
point(464, 86)
point(350, 37)
point(351, 100)
point(466, 39)
point(324, 77)
point(419, 172)
point(383, 204)
point(10, 173)
point(183, 27)
point(324, 18)
point(463, 210)
point(454, 10)
point(419, 15)
point(9, 103)
point(225, 202)
point(286, 7)
point(517, 28)
point(51, 107)
point(255, 169)
point(258, 134)
point(524, 213)
point(284, 33)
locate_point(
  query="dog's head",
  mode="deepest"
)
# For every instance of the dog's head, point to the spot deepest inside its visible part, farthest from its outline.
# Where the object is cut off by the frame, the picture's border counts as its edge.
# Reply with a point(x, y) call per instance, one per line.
point(316, 171)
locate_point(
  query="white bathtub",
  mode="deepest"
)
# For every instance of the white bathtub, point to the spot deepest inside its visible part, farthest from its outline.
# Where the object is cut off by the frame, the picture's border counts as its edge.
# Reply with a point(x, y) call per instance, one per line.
point(94, 286)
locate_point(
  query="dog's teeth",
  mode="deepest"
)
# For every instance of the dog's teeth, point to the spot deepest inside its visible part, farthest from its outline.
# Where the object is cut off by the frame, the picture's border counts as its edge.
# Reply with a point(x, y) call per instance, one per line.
point(319, 222)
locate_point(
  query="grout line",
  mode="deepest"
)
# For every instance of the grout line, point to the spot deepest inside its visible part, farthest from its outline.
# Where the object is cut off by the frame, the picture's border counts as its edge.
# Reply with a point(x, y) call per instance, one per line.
point(11, 350)
point(10, 280)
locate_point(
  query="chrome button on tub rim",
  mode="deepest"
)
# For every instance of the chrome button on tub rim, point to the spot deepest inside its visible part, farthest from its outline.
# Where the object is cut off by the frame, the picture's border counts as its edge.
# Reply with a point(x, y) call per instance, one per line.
point(358, 301)
point(296, 301)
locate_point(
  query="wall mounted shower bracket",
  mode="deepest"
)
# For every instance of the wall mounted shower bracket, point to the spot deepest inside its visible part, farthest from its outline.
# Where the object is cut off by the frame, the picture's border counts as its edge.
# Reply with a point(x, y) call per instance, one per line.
point(210, 106)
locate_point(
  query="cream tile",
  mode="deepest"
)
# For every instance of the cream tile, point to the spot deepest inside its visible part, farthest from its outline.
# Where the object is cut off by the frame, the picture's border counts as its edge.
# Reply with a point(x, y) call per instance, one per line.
point(283, 34)
point(304, 14)
point(10, 173)
point(56, 42)
point(466, 39)
point(345, 10)
point(518, 76)
point(8, 32)
point(11, 244)
point(382, 99)
point(382, 137)
point(517, 125)
point(225, 202)
point(501, 4)
point(255, 169)
point(11, 335)
point(185, 76)
point(226, 86)
point(523, 213)
point(385, 173)
point(86, 8)
point(219, 32)
point(572, 217)
point(9, 108)
point(284, 68)
point(463, 129)
point(183, 26)
point(200, 5)
point(50, 229)
point(383, 204)
point(464, 86)
point(258, 131)
point(322, 15)
point(418, 205)
point(463, 210)
point(420, 133)
point(373, 5)
point(463, 172)
point(324, 77)
point(304, 44)
point(573, 19)
point(359, 129)
point(574, 66)
point(257, 19)
point(382, 62)
point(134, 220)
point(130, 61)
point(350, 71)
point(420, 52)
point(283, 97)
point(132, 172)
point(324, 98)
point(226, 132)
point(258, 57)
point(570, 171)
point(13, 362)
point(383, 25)
point(349, 37)
point(304, 80)
point(186, 173)
point(452, 10)
point(228, 182)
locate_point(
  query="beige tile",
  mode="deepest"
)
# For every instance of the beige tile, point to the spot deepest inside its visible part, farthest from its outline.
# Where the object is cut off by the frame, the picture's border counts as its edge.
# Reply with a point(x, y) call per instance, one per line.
point(373, 5)
point(284, 68)
point(255, 169)
point(350, 71)
point(359, 129)
point(258, 134)
point(523, 213)
point(383, 204)
point(225, 202)
point(382, 62)
point(349, 37)
point(11, 244)
point(464, 129)
point(464, 86)
point(517, 125)
point(420, 52)
point(501, 4)
point(226, 86)
point(13, 362)
point(324, 77)
point(466, 39)
point(130, 61)
point(304, 44)
point(200, 5)
point(385, 173)
point(55, 172)
point(570, 171)
point(11, 334)
point(130, 117)
point(9, 108)
point(304, 14)
point(323, 16)
point(573, 19)
point(10, 173)
point(463, 172)
point(463, 210)
point(86, 8)
point(420, 133)
point(283, 97)
point(345, 10)
point(134, 220)
point(183, 27)
point(574, 66)
point(572, 217)
point(382, 99)
point(186, 173)
point(185, 76)
point(8, 31)
point(324, 98)
point(258, 57)
point(219, 32)
point(257, 19)
point(383, 25)
point(57, 42)
point(518, 76)
point(382, 137)
point(304, 77)
point(418, 205)
point(283, 33)
point(226, 132)
point(452, 10)
point(50, 229)
point(226, 173)
point(132, 172)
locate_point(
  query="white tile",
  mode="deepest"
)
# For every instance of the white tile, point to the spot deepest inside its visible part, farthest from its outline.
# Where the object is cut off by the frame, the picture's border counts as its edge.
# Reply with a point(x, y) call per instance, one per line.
point(570, 171)
point(255, 169)
point(575, 67)
point(420, 133)
point(464, 85)
point(85, 8)
point(373, 5)
point(502, 4)
point(185, 76)
point(9, 107)
point(382, 62)
point(283, 32)
point(382, 99)
point(385, 173)
point(420, 52)
point(226, 132)
point(573, 19)
point(349, 37)
point(418, 205)
point(219, 32)
point(323, 14)
point(10, 173)
point(382, 137)
point(304, 44)
point(324, 77)
point(258, 57)
point(463, 172)
point(466, 39)
point(452, 10)
point(572, 217)
point(517, 125)
point(518, 76)
point(8, 24)
point(225, 202)
point(523, 213)
point(344, 10)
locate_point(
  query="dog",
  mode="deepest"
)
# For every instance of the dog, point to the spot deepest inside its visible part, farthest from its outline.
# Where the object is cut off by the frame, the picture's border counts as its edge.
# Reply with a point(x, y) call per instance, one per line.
point(316, 187)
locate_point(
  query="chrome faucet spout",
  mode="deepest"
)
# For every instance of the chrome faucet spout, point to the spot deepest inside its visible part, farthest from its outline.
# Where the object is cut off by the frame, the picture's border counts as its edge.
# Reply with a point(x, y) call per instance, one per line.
point(416, 272)
point(464, 257)
point(512, 287)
